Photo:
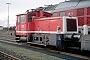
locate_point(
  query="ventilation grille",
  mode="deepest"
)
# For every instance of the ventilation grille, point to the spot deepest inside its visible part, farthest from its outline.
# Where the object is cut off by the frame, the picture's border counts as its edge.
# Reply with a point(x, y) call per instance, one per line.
point(80, 12)
point(88, 11)
point(80, 21)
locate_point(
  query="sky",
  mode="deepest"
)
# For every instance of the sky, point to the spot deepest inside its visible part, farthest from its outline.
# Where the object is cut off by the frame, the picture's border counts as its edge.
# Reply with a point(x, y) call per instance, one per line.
point(19, 7)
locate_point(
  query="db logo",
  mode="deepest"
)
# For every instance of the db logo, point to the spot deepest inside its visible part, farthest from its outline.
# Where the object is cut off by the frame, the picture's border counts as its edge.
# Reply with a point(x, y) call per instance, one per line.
point(22, 26)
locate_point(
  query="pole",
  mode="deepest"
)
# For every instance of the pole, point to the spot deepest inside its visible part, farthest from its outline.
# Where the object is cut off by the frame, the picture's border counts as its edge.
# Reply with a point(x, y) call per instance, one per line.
point(8, 16)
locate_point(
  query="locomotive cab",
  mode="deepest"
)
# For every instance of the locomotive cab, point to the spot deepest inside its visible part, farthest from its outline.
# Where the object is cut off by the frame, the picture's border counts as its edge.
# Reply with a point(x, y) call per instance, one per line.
point(20, 25)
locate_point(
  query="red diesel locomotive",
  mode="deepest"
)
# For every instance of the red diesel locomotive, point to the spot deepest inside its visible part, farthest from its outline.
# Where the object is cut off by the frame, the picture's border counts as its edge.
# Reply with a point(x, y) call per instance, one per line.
point(56, 29)
point(39, 27)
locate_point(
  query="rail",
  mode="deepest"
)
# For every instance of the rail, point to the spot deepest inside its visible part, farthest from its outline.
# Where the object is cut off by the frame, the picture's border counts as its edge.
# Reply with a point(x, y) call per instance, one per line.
point(9, 56)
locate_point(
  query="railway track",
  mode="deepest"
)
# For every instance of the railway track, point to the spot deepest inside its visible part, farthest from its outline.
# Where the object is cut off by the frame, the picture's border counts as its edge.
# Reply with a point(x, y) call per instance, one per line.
point(61, 52)
point(8, 56)
point(54, 51)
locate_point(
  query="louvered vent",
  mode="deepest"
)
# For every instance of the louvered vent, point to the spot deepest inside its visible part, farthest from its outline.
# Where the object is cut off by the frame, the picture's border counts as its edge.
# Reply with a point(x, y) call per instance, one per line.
point(80, 21)
point(80, 12)
point(88, 11)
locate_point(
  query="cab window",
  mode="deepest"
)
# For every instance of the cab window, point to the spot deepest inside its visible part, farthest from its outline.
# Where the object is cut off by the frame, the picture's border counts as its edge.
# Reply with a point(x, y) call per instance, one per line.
point(30, 17)
point(21, 19)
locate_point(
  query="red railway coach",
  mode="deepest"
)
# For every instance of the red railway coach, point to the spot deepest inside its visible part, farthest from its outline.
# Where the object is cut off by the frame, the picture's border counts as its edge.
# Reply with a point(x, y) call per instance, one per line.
point(39, 27)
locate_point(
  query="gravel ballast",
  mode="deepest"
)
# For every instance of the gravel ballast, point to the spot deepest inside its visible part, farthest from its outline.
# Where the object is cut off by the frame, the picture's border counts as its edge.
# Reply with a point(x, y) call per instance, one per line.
point(26, 54)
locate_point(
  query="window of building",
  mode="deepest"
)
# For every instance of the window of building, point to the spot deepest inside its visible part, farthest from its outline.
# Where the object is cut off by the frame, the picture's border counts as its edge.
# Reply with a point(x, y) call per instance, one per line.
point(62, 14)
point(80, 12)
point(55, 14)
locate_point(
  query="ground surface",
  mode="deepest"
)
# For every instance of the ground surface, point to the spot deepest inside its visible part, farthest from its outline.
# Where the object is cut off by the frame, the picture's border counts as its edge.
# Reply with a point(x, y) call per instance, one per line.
point(28, 53)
